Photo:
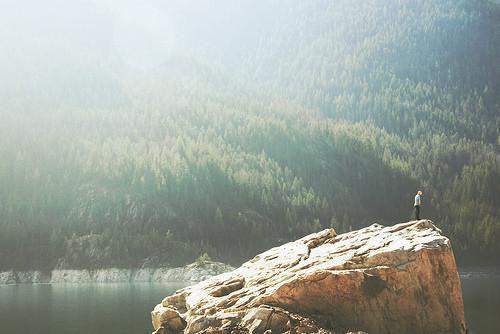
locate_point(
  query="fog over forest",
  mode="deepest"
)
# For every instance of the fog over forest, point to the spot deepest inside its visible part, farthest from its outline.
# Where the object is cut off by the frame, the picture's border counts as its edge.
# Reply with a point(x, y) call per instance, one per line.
point(148, 133)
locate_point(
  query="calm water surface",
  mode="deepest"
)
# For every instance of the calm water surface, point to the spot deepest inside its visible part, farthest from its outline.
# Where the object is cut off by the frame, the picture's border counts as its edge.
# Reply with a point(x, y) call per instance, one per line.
point(124, 308)
point(111, 308)
point(481, 292)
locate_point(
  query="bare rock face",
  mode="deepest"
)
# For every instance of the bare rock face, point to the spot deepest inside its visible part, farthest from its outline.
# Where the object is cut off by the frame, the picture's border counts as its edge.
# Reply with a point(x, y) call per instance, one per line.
point(397, 279)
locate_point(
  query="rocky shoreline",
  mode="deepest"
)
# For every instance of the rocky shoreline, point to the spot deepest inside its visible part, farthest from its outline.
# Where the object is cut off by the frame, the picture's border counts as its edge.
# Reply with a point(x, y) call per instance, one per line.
point(194, 272)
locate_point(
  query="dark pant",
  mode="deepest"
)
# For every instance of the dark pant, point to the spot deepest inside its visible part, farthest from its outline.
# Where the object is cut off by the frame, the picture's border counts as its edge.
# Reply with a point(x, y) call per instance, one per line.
point(417, 212)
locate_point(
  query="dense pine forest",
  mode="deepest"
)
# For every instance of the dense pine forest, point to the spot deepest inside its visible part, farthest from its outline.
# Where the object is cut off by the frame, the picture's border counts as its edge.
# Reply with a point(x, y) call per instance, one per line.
point(262, 122)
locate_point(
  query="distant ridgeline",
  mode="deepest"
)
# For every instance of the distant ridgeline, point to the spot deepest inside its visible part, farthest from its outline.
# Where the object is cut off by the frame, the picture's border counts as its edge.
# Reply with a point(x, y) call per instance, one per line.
point(267, 122)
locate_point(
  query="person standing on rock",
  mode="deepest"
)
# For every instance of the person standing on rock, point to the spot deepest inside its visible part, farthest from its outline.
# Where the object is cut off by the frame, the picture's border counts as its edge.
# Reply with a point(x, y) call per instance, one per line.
point(418, 202)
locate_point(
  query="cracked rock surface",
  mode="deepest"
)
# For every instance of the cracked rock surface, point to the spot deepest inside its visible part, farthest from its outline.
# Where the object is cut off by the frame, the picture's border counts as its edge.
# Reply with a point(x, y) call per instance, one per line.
point(396, 279)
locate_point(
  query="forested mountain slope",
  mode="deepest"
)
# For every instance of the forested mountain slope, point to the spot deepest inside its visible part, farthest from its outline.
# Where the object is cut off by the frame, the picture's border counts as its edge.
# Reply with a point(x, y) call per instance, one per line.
point(427, 72)
point(263, 123)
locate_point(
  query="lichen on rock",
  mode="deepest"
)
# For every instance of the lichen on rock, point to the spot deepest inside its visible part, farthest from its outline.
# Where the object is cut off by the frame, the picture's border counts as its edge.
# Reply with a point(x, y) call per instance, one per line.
point(396, 279)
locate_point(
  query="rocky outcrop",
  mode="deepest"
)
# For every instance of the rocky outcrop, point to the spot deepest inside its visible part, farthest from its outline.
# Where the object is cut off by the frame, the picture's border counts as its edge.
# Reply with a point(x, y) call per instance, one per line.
point(8, 277)
point(16, 277)
point(397, 279)
point(192, 273)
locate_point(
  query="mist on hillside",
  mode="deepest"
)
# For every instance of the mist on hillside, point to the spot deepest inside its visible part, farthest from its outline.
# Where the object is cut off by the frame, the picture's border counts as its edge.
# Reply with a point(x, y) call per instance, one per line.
point(156, 132)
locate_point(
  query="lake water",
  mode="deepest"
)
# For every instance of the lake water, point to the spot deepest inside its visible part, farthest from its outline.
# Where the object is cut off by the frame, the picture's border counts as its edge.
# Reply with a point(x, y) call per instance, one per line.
point(124, 308)
point(111, 308)
point(481, 292)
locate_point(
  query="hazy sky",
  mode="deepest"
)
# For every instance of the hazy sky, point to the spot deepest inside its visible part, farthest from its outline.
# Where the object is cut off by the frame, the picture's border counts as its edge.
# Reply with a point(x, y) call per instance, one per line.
point(141, 33)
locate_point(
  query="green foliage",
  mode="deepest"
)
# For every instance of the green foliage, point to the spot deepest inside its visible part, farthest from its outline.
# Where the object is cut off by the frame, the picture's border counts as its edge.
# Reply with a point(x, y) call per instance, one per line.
point(203, 258)
point(335, 120)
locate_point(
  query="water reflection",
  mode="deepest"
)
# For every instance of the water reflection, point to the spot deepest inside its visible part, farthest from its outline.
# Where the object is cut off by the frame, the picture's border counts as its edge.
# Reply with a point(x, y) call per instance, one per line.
point(125, 308)
point(481, 292)
point(80, 308)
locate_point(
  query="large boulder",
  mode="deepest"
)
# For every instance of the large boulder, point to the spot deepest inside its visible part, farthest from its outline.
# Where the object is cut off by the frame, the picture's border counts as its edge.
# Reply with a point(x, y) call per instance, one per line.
point(397, 279)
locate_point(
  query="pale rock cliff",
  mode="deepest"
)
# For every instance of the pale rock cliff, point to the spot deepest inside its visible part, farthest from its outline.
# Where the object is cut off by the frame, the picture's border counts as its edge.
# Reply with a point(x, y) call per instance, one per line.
point(191, 273)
